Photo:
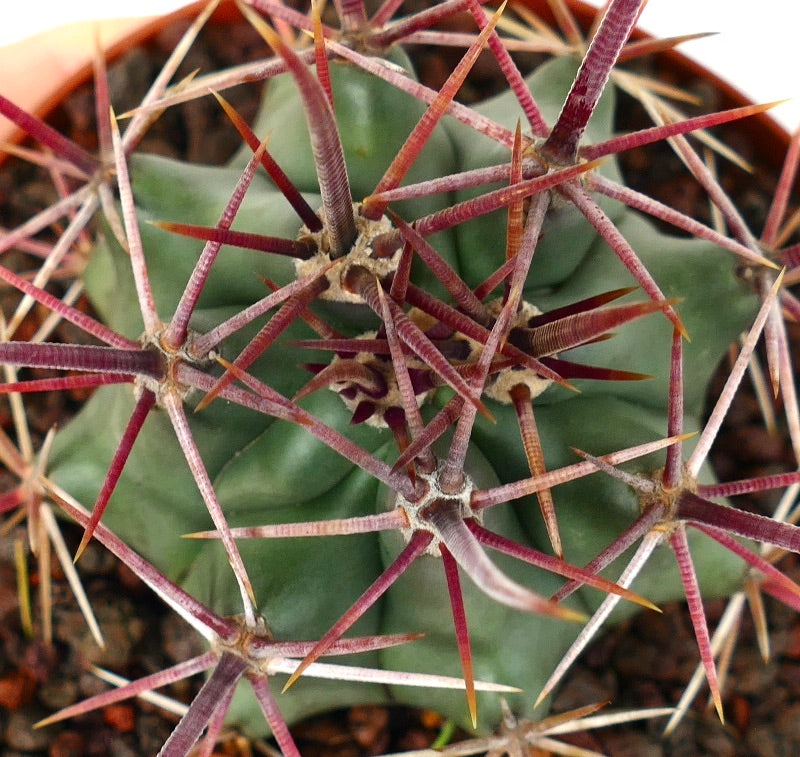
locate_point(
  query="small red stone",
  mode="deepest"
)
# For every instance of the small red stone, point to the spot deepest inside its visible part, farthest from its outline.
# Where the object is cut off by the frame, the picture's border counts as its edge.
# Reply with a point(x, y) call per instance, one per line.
point(793, 647)
point(431, 719)
point(121, 717)
point(740, 713)
point(16, 689)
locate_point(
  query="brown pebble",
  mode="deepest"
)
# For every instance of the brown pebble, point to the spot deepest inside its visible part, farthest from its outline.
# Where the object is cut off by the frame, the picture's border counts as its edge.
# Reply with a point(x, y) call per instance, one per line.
point(631, 744)
point(718, 742)
point(415, 738)
point(41, 659)
point(787, 723)
point(129, 579)
point(367, 725)
point(67, 744)
point(324, 730)
point(764, 742)
point(20, 733)
point(59, 692)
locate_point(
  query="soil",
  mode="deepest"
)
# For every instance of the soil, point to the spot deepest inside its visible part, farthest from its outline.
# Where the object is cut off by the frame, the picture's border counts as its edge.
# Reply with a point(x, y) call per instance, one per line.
point(645, 662)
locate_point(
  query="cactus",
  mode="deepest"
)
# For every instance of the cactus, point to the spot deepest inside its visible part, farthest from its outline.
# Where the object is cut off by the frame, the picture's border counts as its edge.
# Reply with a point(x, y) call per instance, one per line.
point(383, 397)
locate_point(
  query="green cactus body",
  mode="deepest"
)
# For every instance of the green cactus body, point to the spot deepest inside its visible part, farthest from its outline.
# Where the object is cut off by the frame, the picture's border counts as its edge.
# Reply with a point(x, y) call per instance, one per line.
point(269, 471)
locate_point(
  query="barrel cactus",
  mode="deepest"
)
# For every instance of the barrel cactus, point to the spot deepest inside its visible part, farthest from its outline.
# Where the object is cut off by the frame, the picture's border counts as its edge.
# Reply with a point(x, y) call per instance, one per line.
point(368, 368)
